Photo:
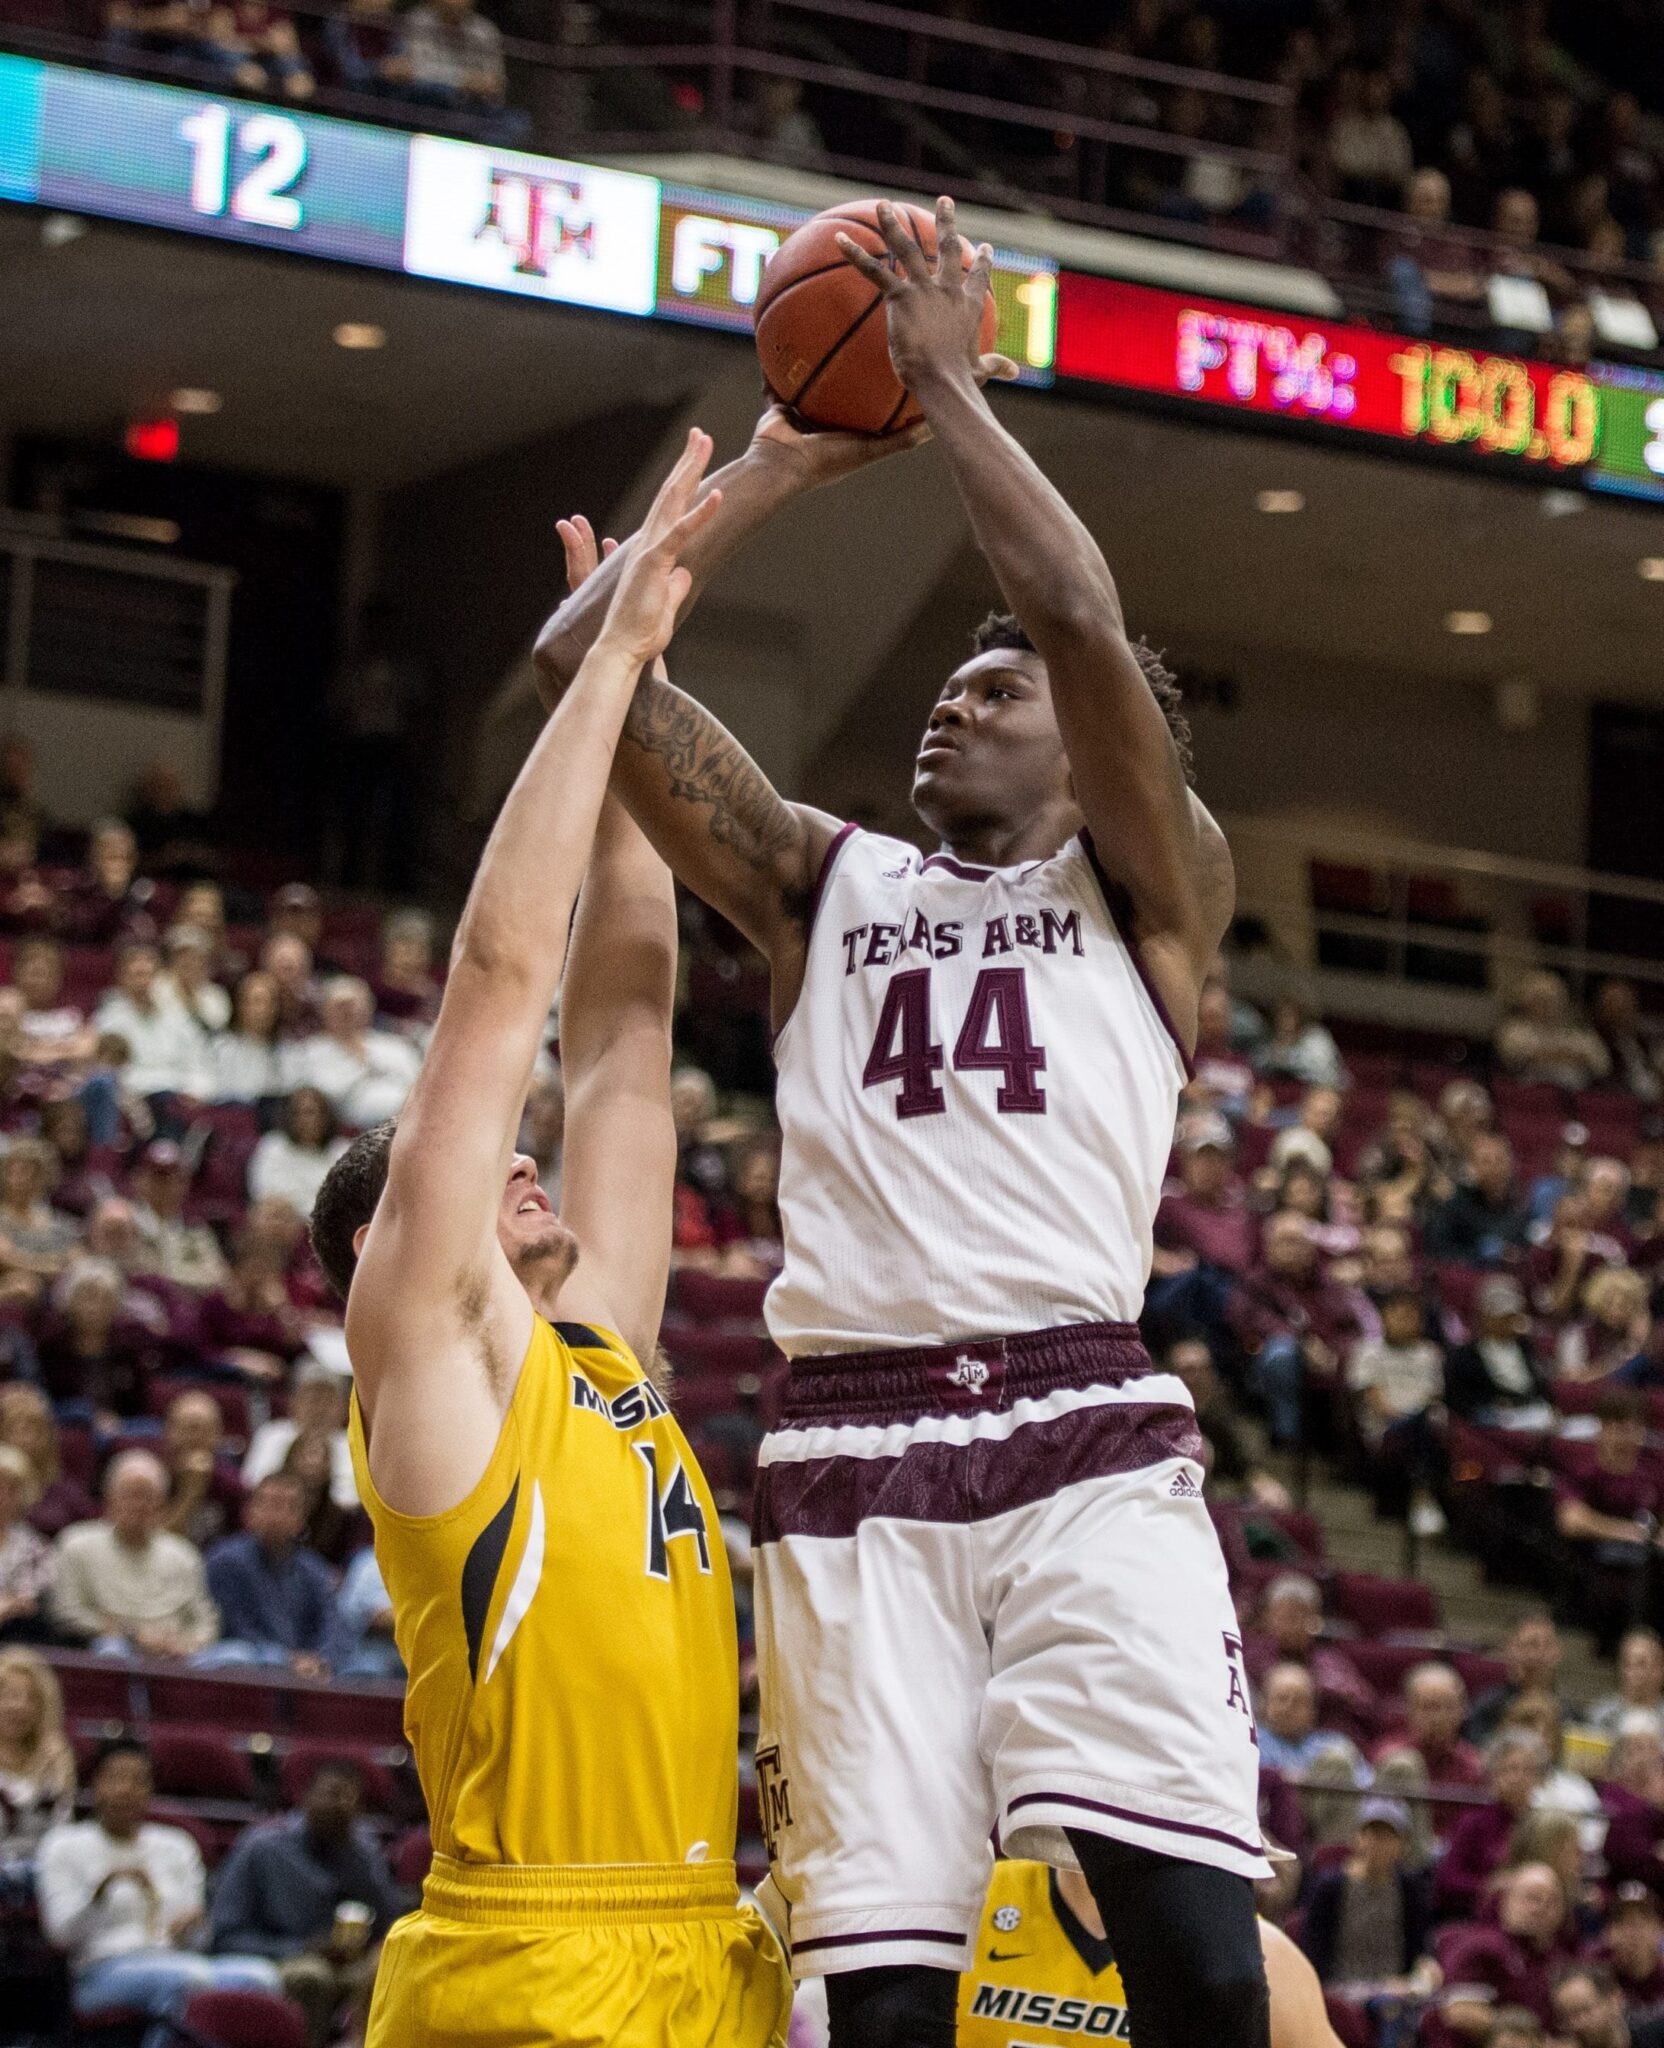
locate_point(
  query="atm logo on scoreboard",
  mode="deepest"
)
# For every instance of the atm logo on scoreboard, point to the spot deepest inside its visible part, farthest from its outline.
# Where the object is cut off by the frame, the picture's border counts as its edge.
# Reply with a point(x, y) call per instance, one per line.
point(519, 223)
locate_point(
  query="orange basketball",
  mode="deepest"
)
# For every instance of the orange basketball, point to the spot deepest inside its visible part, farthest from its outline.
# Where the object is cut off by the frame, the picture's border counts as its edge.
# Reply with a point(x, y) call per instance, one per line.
point(820, 324)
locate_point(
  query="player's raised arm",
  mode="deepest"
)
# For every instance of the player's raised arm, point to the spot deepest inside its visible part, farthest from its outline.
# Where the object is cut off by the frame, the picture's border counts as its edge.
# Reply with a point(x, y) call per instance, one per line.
point(704, 803)
point(437, 1317)
point(1153, 839)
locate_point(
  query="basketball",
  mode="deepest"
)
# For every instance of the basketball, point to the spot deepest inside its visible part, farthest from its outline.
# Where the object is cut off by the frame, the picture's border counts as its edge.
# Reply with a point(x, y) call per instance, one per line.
point(820, 325)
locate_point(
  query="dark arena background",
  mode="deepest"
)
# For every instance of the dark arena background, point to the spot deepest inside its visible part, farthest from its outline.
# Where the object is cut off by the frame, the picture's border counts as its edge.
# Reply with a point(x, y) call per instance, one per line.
point(1340, 327)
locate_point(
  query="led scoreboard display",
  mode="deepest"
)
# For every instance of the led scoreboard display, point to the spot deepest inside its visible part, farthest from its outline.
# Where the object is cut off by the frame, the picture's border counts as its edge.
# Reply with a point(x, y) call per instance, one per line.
point(713, 247)
point(1604, 424)
point(584, 235)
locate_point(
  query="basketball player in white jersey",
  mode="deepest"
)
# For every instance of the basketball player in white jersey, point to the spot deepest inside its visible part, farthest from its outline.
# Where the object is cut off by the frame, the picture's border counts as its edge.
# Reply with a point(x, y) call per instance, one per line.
point(988, 1591)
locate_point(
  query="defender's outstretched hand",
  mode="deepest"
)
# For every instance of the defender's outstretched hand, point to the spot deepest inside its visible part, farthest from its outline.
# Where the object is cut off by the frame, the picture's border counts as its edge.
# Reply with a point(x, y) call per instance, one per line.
point(933, 310)
point(654, 583)
point(583, 555)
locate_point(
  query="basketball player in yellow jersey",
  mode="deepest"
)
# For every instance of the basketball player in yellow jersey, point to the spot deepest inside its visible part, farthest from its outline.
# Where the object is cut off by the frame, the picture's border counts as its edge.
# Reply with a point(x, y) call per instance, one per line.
point(559, 1587)
point(1043, 1972)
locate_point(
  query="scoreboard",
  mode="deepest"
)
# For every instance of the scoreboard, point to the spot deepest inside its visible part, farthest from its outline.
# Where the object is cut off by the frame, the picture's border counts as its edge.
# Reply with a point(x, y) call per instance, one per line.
point(617, 241)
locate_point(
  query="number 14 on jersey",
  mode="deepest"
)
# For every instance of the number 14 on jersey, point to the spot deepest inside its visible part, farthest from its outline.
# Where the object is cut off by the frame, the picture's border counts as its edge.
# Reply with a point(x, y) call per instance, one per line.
point(996, 1036)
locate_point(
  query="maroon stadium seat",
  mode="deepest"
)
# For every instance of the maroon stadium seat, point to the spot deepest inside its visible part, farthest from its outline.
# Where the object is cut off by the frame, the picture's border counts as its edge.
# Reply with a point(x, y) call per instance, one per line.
point(249, 1706)
point(245, 2019)
point(710, 1297)
point(95, 1691)
point(1380, 1606)
point(202, 1763)
point(412, 1858)
point(341, 1712)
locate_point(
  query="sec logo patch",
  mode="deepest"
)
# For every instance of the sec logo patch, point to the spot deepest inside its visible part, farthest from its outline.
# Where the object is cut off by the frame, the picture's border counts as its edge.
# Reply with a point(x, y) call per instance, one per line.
point(1008, 1919)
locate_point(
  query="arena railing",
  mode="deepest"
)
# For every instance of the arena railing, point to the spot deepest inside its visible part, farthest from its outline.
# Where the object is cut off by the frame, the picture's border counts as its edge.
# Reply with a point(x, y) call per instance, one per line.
point(1415, 914)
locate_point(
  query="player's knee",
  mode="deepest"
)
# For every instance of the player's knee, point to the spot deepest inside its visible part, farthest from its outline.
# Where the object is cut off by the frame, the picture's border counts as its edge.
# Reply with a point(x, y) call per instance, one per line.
point(894, 2008)
point(1227, 1998)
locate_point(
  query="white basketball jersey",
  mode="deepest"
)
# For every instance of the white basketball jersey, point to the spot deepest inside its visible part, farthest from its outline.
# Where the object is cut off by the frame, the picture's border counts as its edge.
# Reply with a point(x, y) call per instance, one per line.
point(977, 1090)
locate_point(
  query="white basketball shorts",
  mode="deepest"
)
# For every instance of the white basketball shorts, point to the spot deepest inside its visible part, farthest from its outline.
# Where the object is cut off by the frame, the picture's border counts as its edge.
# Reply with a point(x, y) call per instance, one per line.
point(988, 1597)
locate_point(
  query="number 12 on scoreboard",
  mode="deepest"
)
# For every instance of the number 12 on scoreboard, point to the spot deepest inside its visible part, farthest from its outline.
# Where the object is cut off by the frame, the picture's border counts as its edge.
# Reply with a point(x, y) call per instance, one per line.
point(274, 147)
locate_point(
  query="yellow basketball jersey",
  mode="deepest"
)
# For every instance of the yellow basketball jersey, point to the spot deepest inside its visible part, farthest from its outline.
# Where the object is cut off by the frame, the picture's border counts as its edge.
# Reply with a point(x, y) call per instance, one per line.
point(1038, 1976)
point(569, 1629)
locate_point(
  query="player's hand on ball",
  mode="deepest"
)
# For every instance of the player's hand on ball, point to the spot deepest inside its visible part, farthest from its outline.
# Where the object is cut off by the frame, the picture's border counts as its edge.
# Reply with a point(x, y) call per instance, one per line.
point(655, 581)
point(933, 310)
point(822, 454)
point(583, 557)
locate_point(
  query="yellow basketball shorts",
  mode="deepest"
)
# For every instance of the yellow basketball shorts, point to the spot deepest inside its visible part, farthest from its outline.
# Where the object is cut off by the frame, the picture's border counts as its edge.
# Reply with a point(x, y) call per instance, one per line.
point(609, 1956)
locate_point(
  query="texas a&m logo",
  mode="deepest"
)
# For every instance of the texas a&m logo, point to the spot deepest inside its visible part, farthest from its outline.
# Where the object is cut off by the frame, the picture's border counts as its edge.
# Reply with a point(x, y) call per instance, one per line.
point(970, 1373)
point(1237, 1695)
point(774, 1797)
point(537, 219)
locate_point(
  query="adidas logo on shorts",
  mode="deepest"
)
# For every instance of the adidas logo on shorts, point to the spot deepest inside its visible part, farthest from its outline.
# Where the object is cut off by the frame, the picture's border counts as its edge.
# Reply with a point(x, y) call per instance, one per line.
point(1184, 1488)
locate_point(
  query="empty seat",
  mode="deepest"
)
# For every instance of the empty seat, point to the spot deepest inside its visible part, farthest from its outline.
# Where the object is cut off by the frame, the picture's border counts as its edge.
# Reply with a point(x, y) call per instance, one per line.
point(201, 1763)
point(244, 2019)
point(376, 1717)
point(95, 1691)
point(1378, 1606)
point(249, 1706)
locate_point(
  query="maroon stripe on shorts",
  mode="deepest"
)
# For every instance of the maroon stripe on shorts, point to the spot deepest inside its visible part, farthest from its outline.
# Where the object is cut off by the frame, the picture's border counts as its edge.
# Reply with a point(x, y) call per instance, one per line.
point(961, 1483)
point(976, 1375)
point(1143, 1820)
point(802, 1948)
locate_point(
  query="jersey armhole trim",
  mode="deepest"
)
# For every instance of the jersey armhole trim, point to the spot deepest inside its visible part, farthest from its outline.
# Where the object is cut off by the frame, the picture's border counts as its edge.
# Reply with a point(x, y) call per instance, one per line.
point(829, 860)
point(358, 1438)
point(1136, 956)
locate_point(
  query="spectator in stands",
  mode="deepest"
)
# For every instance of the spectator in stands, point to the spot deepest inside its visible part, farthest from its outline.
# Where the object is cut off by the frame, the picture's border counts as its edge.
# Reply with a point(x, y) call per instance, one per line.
point(366, 1074)
point(1311, 1136)
point(332, 1531)
point(297, 911)
point(1190, 1360)
point(108, 901)
point(1531, 1657)
point(276, 1598)
point(1632, 1946)
point(1368, 1919)
point(1435, 1705)
point(1399, 1169)
point(1290, 1622)
point(1631, 1047)
point(1399, 1379)
point(1588, 2009)
point(453, 58)
point(1515, 1959)
point(1368, 146)
point(281, 1892)
point(1639, 1700)
point(126, 1585)
point(776, 116)
point(1560, 1790)
point(25, 1560)
point(1496, 1379)
point(1606, 1509)
point(34, 1238)
point(186, 1253)
point(1220, 1068)
point(1565, 1177)
point(205, 1495)
point(188, 983)
point(317, 1407)
point(251, 1322)
point(88, 1355)
point(1386, 1267)
point(1516, 222)
point(292, 1160)
point(362, 43)
point(1485, 1221)
point(1292, 1321)
point(26, 1425)
point(1205, 1234)
point(406, 987)
point(748, 1224)
point(26, 898)
point(252, 1061)
point(1543, 1040)
point(1633, 1795)
point(288, 960)
point(50, 1032)
point(363, 1645)
point(37, 1765)
point(1613, 1337)
point(86, 1172)
point(1606, 1208)
point(1430, 268)
point(1516, 1763)
point(122, 1896)
point(172, 836)
point(168, 1049)
point(1566, 1258)
point(263, 46)
point(1289, 1737)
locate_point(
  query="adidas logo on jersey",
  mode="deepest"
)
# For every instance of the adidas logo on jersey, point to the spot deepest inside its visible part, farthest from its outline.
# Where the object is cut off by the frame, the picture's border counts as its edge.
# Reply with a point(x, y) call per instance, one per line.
point(1184, 1488)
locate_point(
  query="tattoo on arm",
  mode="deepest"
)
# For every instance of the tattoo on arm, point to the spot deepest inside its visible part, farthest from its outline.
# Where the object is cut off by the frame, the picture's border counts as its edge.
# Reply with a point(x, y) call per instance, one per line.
point(704, 765)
